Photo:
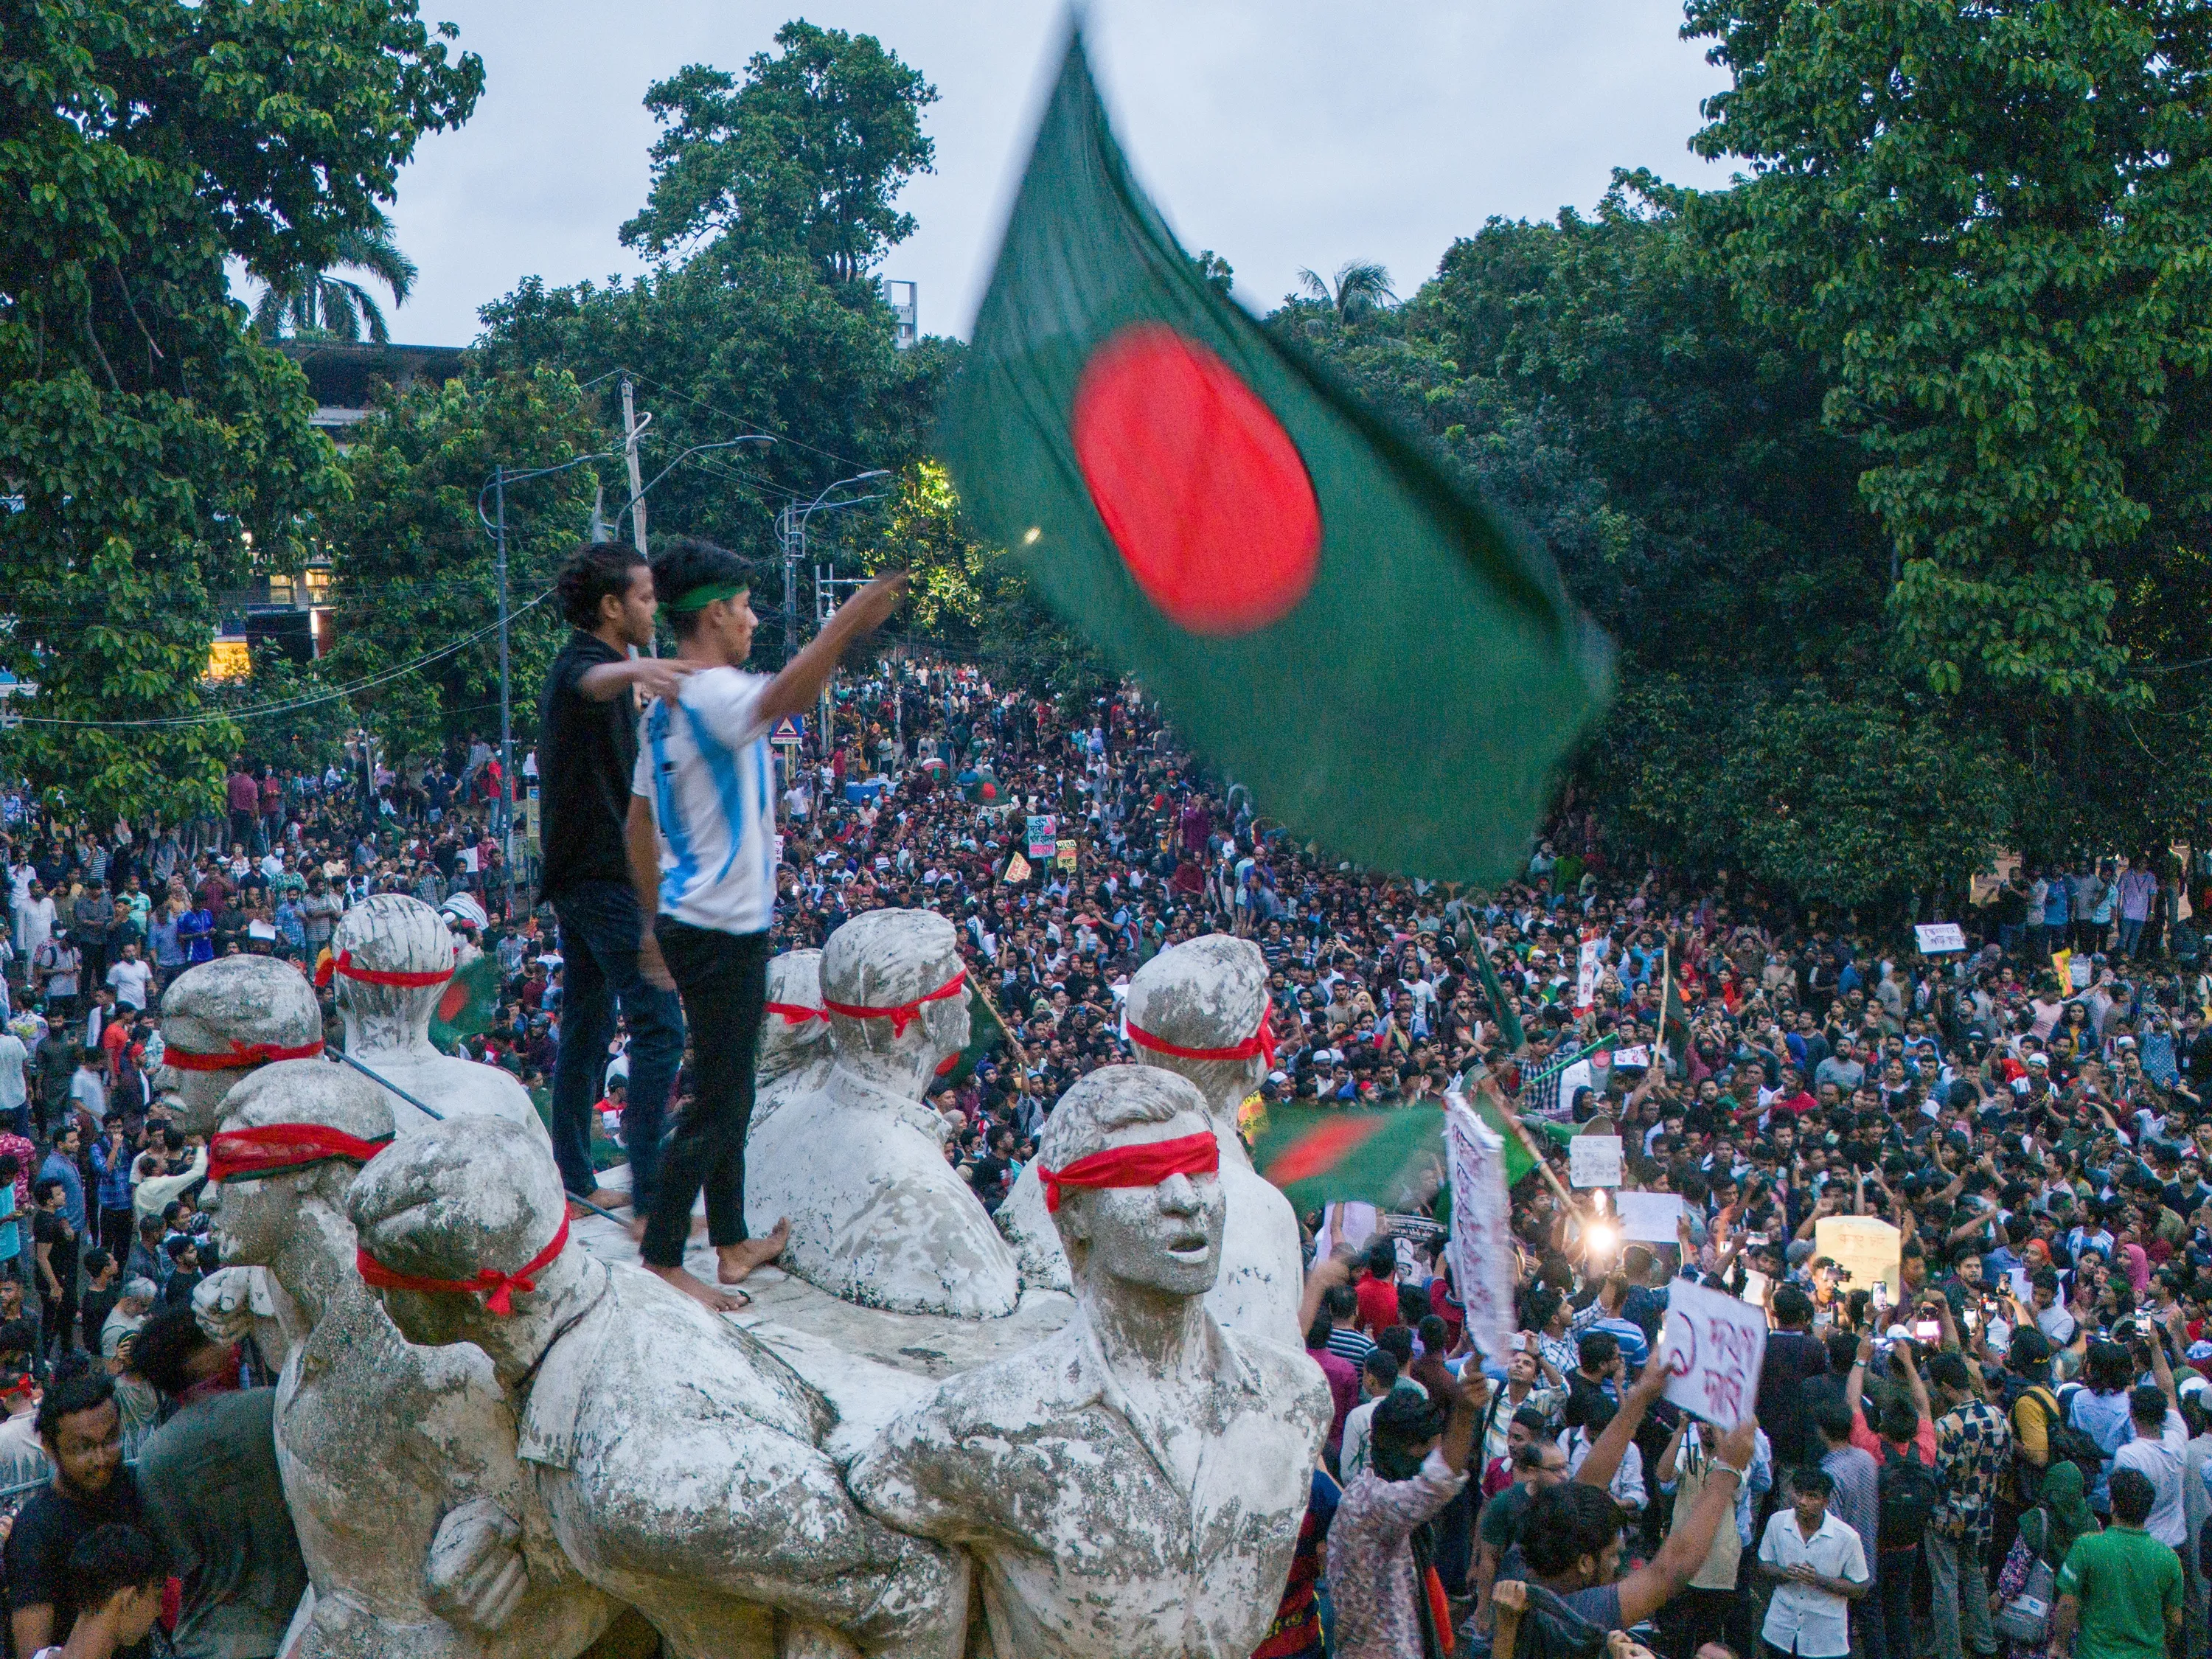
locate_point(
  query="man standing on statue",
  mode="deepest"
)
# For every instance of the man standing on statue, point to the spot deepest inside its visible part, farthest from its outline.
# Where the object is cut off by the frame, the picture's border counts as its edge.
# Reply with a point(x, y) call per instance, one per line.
point(702, 854)
point(588, 738)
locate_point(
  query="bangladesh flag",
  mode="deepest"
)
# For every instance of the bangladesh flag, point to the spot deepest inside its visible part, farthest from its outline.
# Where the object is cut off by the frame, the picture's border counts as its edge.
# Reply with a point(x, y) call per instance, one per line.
point(1391, 1160)
point(984, 1033)
point(1326, 615)
point(468, 1006)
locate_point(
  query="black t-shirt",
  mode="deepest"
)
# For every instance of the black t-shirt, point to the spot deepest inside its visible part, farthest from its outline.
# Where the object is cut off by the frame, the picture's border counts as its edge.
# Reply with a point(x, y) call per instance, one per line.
point(52, 1524)
point(587, 752)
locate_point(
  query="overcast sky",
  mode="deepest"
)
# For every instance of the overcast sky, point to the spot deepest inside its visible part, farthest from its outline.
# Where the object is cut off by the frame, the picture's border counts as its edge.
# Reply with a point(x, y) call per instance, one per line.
point(1282, 133)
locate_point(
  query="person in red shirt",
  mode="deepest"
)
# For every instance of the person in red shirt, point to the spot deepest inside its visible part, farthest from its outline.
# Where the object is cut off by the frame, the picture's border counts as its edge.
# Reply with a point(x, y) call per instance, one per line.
point(1378, 1290)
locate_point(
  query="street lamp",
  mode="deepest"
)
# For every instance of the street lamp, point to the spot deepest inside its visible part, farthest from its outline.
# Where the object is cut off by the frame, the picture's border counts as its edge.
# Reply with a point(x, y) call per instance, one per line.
point(793, 525)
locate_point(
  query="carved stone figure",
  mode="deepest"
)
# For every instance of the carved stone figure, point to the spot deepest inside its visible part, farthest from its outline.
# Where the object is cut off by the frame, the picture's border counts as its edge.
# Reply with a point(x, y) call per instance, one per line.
point(224, 1018)
point(392, 1456)
point(794, 1045)
point(1198, 1009)
point(391, 957)
point(877, 1216)
point(1131, 1487)
point(677, 1457)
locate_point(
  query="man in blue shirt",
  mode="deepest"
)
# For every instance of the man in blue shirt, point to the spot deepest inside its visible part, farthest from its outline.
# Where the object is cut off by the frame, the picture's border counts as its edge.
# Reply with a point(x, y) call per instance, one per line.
point(61, 1164)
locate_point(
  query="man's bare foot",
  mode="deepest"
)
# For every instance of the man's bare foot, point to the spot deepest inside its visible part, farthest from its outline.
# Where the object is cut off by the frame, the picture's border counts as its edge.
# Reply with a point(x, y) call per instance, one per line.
point(717, 1301)
point(737, 1261)
point(608, 1198)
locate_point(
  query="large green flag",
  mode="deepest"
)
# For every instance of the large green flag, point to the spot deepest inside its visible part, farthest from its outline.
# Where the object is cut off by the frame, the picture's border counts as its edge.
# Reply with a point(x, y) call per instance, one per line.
point(1325, 615)
point(469, 1004)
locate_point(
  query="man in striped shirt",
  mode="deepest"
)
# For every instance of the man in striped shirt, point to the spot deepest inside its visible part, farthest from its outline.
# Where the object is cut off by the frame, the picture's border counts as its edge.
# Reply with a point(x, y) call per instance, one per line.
point(702, 844)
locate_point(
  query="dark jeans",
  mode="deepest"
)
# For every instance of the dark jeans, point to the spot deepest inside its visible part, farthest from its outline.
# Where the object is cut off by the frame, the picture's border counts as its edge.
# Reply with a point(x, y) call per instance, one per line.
point(116, 1228)
point(600, 931)
point(723, 978)
point(1888, 1626)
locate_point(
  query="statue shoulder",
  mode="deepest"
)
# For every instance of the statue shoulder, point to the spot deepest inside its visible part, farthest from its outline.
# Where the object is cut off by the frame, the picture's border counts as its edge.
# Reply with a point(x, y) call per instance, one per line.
point(1284, 1373)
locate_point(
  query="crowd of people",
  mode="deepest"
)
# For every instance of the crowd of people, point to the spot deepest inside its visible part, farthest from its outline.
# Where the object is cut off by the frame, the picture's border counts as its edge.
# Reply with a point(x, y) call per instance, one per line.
point(2008, 1452)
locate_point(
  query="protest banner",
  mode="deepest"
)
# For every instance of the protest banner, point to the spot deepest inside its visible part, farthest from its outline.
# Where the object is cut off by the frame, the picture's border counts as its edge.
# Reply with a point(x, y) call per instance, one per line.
point(1938, 937)
point(1638, 1058)
point(1484, 1262)
point(1592, 964)
point(1648, 1217)
point(1594, 1161)
point(1710, 1350)
point(1065, 856)
point(1042, 835)
point(1868, 1249)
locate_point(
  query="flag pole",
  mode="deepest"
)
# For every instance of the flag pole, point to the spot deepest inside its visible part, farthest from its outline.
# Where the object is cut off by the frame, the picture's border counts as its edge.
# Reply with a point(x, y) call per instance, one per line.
point(1666, 984)
point(1487, 1084)
point(1508, 1021)
point(1005, 1029)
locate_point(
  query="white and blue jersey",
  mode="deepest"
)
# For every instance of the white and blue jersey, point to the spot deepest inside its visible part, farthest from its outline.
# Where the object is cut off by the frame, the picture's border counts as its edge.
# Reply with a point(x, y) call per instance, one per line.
point(702, 762)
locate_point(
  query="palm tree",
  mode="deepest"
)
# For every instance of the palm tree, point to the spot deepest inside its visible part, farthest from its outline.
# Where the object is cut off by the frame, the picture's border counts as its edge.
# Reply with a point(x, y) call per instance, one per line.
point(307, 303)
point(1361, 286)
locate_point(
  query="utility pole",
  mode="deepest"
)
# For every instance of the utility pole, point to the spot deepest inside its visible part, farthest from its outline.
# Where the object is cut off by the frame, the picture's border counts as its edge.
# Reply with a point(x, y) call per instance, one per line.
point(630, 430)
point(505, 707)
point(791, 531)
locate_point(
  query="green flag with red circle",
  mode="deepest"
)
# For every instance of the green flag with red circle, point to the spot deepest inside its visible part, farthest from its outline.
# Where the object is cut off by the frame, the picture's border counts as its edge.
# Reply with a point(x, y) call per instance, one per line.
point(1326, 615)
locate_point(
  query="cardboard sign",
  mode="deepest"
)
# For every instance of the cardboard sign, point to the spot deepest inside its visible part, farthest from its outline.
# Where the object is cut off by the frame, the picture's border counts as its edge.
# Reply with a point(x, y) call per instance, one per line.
point(1065, 858)
point(1348, 1223)
point(1711, 1350)
point(1870, 1250)
point(1938, 937)
point(1592, 964)
point(1044, 833)
point(1638, 1058)
point(1485, 1264)
point(1018, 868)
point(1594, 1161)
point(1648, 1217)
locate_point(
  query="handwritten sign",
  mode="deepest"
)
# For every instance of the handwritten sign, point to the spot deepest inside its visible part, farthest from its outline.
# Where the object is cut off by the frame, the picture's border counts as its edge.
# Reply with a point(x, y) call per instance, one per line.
point(1938, 937)
point(1871, 1251)
point(1588, 966)
point(1638, 1058)
point(1648, 1217)
point(1711, 1349)
point(1042, 835)
point(1594, 1161)
point(1485, 1265)
point(1065, 858)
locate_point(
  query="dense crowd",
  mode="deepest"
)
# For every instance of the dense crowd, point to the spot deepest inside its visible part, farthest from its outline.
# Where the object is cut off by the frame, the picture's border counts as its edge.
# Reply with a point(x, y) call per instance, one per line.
point(2021, 1427)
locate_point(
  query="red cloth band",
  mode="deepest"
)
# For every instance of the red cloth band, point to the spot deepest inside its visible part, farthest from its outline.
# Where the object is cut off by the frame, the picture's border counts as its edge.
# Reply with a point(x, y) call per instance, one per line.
point(907, 1012)
point(275, 1148)
point(797, 1014)
point(1146, 1165)
point(24, 1385)
point(342, 963)
point(1261, 1042)
point(239, 1054)
point(500, 1302)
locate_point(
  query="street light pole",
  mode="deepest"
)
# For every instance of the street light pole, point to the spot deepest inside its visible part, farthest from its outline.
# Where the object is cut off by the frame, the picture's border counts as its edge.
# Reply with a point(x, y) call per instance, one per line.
point(506, 705)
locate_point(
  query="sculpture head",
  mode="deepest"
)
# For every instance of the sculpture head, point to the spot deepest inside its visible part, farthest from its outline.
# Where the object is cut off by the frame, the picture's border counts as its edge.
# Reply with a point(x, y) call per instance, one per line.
point(470, 1215)
point(222, 1020)
point(892, 981)
point(391, 958)
point(1210, 996)
point(280, 1141)
point(790, 1039)
point(1138, 1203)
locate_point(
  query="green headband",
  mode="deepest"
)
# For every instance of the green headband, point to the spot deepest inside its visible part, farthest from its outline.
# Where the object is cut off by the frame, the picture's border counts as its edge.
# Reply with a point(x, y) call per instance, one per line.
point(700, 598)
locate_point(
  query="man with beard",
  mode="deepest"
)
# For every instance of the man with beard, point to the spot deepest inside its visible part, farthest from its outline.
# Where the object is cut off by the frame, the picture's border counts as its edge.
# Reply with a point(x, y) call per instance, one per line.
point(80, 1428)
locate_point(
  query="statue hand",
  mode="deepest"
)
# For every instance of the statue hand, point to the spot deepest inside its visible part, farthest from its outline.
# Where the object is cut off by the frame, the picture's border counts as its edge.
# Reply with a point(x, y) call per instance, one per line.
point(222, 1303)
point(475, 1577)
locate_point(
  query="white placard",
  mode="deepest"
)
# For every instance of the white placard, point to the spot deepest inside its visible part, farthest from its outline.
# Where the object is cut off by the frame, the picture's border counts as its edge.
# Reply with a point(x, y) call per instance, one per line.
point(1712, 1347)
point(1650, 1217)
point(1591, 964)
point(1868, 1250)
point(1757, 1288)
point(1349, 1223)
point(1638, 1058)
point(1938, 937)
point(1594, 1161)
point(1484, 1262)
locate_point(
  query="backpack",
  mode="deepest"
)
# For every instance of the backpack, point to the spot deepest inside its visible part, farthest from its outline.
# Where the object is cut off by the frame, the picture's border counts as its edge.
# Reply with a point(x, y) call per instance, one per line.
point(2068, 1444)
point(1905, 1498)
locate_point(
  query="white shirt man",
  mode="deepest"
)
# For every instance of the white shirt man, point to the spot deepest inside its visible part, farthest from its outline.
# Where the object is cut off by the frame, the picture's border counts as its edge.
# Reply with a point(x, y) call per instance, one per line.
point(132, 980)
point(704, 765)
point(1805, 1617)
point(12, 1056)
point(2158, 1458)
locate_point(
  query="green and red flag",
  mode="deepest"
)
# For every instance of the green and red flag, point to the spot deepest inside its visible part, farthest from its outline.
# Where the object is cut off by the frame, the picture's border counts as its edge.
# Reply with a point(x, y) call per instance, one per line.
point(1391, 1158)
point(984, 1033)
point(1326, 615)
point(469, 1004)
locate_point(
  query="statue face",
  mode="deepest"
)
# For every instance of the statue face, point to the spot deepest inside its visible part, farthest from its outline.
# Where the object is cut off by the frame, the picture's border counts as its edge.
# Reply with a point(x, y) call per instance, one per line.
point(430, 1321)
point(201, 1093)
point(253, 1218)
point(1166, 1237)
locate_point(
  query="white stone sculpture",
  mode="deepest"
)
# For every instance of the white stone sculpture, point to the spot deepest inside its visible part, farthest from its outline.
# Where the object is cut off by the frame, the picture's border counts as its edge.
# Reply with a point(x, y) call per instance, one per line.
point(391, 957)
point(678, 1458)
point(223, 1019)
point(877, 1215)
point(1131, 1487)
point(1208, 996)
point(794, 1044)
point(398, 1462)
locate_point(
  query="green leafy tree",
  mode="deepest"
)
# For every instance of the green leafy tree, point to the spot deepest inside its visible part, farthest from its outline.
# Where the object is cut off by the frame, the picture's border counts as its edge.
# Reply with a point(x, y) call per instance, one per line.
point(415, 571)
point(1219, 274)
point(808, 150)
point(309, 731)
point(310, 303)
point(1987, 221)
point(148, 435)
point(1359, 288)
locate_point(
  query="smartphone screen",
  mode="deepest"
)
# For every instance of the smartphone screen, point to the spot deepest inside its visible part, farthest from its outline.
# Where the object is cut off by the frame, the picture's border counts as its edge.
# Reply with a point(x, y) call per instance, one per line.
point(1926, 1330)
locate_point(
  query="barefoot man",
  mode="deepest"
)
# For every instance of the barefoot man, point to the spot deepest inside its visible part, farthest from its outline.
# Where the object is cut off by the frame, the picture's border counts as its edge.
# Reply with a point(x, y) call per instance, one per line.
point(702, 840)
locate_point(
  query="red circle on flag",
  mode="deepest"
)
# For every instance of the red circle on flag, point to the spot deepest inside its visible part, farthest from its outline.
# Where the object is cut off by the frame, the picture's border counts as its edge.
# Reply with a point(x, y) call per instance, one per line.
point(1205, 497)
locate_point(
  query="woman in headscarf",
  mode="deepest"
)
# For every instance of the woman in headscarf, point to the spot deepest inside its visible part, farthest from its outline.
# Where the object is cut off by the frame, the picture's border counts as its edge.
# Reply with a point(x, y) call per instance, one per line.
point(2061, 1514)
